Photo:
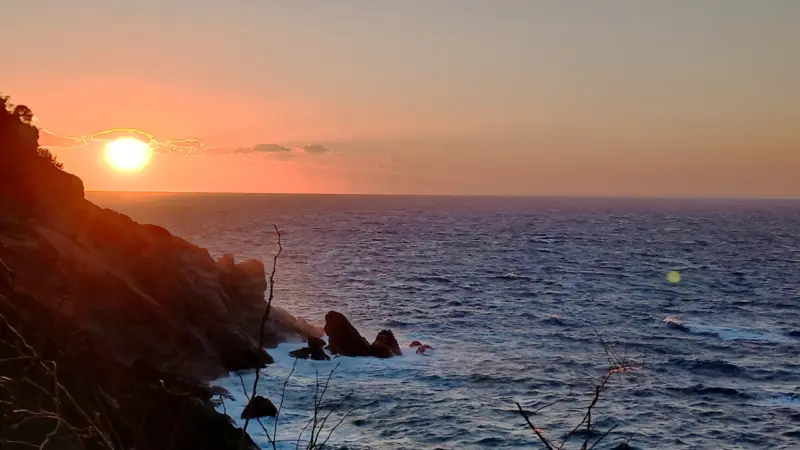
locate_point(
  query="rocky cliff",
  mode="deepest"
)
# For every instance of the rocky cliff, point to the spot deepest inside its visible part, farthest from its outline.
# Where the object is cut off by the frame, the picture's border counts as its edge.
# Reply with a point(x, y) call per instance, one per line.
point(123, 307)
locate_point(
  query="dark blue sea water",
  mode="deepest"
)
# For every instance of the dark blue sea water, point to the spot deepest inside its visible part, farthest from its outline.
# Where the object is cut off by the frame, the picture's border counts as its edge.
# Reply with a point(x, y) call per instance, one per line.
point(480, 279)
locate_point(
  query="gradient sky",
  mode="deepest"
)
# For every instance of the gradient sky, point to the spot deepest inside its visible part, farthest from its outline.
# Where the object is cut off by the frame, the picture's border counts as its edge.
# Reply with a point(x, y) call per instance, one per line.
point(562, 97)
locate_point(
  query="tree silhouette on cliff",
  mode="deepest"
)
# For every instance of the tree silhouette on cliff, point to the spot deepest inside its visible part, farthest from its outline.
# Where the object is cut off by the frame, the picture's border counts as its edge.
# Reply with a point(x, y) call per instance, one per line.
point(18, 136)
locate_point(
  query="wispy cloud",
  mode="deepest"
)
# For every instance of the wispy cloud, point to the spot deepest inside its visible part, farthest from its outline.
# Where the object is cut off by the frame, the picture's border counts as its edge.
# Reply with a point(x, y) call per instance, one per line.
point(117, 133)
point(182, 146)
point(316, 149)
point(49, 139)
point(188, 146)
point(263, 148)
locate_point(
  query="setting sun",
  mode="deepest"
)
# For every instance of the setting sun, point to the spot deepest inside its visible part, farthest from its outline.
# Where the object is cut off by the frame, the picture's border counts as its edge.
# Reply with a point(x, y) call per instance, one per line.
point(127, 154)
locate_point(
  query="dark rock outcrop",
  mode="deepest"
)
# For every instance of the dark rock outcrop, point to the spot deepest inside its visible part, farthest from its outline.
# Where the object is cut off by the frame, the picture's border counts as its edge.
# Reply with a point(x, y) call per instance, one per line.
point(315, 342)
point(380, 351)
point(385, 338)
point(415, 344)
point(259, 407)
point(343, 338)
point(314, 353)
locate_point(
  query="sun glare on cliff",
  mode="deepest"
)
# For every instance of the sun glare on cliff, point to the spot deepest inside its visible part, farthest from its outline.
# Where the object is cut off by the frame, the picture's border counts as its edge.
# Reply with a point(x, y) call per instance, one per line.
point(127, 154)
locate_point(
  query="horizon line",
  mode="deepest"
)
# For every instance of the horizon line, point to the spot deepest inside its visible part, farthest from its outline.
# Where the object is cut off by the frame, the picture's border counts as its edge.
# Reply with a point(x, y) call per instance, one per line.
point(378, 194)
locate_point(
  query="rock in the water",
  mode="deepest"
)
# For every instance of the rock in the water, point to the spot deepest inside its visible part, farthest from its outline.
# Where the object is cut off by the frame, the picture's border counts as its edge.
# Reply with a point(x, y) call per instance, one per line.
point(415, 344)
point(301, 353)
point(317, 354)
point(345, 340)
point(423, 348)
point(315, 342)
point(259, 407)
point(380, 351)
point(343, 337)
point(386, 338)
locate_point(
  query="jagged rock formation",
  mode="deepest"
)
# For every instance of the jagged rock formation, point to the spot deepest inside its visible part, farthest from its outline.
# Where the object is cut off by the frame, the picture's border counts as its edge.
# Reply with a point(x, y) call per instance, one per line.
point(345, 340)
point(385, 338)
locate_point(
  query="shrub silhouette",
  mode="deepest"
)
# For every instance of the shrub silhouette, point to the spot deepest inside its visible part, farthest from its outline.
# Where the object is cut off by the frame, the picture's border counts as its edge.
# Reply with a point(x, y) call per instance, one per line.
point(19, 135)
point(47, 155)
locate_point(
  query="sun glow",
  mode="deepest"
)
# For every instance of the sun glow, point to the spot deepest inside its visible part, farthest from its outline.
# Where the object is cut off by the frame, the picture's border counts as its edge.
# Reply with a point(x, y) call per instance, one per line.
point(127, 154)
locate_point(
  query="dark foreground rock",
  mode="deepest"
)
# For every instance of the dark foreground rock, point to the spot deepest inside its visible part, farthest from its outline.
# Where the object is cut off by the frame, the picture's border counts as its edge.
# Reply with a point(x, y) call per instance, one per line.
point(52, 368)
point(246, 359)
point(259, 407)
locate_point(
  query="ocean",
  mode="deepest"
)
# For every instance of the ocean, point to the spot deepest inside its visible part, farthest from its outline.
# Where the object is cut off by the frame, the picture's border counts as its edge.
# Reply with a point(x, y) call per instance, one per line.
point(519, 297)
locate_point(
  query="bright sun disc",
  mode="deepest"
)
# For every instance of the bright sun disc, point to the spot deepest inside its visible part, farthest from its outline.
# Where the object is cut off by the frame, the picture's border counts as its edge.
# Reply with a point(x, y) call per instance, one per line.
point(127, 154)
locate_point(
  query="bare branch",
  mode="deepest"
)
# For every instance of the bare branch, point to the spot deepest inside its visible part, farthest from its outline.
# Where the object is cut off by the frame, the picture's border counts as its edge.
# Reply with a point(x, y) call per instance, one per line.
point(330, 433)
point(280, 406)
point(264, 319)
point(532, 427)
point(618, 363)
point(604, 436)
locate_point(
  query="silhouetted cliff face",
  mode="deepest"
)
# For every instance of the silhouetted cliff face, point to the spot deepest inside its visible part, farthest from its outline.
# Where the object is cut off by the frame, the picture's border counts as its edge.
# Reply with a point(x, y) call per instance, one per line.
point(137, 289)
point(123, 309)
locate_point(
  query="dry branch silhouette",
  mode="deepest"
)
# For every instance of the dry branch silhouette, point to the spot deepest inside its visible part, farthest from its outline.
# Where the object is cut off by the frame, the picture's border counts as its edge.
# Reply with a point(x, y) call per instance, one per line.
point(617, 365)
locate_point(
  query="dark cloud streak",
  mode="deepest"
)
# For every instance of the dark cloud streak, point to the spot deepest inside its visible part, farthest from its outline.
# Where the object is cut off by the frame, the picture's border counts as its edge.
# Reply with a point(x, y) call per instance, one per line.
point(316, 149)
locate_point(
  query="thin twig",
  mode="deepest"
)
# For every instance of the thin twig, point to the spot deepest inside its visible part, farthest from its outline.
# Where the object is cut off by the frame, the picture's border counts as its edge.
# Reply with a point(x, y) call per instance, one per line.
point(266, 432)
point(618, 363)
point(532, 427)
point(264, 319)
point(330, 433)
point(604, 436)
point(280, 406)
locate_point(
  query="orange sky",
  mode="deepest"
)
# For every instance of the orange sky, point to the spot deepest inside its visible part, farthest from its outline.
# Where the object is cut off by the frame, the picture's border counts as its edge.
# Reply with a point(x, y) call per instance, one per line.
point(523, 98)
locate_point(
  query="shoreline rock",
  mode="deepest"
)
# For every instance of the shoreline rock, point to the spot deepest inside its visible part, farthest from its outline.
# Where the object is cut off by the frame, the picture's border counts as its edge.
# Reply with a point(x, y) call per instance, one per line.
point(345, 340)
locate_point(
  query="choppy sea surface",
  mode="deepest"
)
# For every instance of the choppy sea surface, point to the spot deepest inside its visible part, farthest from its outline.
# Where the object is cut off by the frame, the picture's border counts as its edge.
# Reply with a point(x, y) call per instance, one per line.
point(515, 295)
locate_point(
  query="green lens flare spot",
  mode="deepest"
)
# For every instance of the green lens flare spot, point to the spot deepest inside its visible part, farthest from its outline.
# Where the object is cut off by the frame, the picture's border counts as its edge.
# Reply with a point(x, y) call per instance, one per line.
point(674, 277)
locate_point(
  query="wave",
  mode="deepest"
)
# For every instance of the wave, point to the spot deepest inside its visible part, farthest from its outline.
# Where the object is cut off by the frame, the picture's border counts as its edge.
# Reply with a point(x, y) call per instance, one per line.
point(728, 333)
point(395, 323)
point(511, 277)
point(441, 280)
point(703, 390)
point(736, 334)
point(781, 399)
point(555, 320)
point(708, 367)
